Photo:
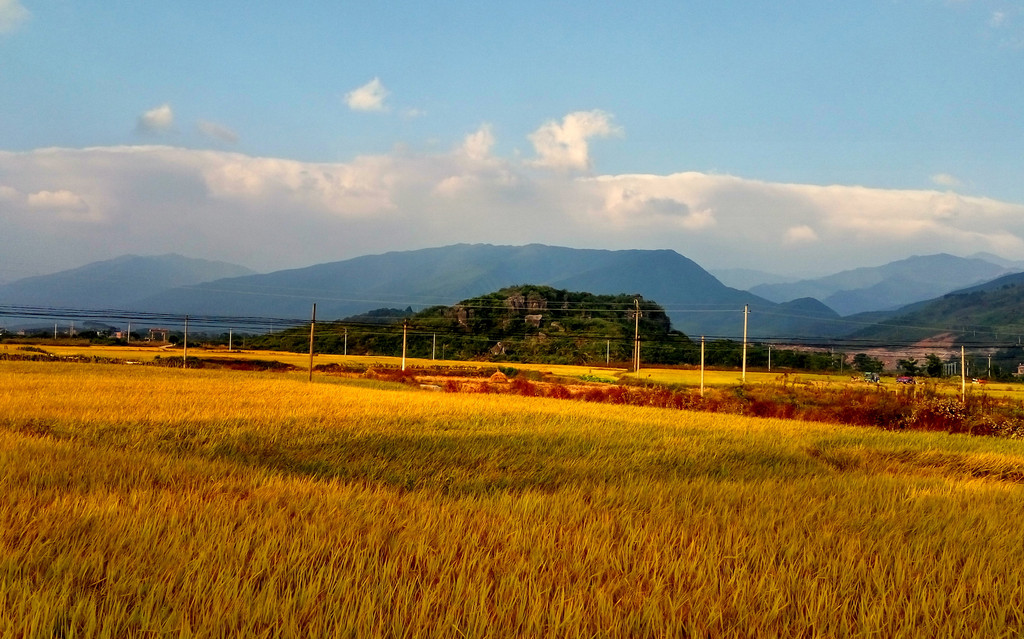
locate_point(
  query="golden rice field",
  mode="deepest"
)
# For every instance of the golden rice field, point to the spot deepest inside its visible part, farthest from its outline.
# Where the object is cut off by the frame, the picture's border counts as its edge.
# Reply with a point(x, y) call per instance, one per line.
point(690, 377)
point(146, 354)
point(151, 502)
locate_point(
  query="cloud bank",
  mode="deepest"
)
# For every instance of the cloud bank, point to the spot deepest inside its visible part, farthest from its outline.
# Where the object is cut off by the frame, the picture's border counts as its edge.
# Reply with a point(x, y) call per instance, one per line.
point(62, 208)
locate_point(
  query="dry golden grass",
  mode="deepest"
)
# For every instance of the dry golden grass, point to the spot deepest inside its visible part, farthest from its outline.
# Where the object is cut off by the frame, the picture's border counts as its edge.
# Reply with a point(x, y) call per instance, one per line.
point(151, 502)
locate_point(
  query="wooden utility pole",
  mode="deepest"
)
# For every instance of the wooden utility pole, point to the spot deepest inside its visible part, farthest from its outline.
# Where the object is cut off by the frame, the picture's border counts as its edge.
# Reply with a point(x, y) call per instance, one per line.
point(746, 312)
point(312, 329)
point(963, 376)
point(405, 333)
point(702, 366)
point(636, 338)
point(184, 355)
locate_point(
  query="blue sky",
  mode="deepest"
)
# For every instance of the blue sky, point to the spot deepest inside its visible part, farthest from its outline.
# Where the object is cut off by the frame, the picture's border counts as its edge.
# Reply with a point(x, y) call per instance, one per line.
point(795, 137)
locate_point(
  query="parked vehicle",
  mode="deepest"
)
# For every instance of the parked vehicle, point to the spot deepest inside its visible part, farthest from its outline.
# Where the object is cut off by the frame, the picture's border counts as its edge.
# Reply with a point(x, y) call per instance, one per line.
point(905, 379)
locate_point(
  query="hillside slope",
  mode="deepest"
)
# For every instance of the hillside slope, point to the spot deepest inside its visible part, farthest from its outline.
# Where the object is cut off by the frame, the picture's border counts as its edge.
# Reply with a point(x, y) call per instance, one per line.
point(519, 323)
point(992, 312)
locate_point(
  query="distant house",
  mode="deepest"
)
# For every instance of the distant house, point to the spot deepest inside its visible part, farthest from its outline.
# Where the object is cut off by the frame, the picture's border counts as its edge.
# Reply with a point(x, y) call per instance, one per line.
point(159, 334)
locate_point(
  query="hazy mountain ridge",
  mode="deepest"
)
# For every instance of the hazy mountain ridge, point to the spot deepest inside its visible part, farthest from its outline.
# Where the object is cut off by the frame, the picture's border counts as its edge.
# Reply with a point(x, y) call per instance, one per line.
point(696, 301)
point(115, 283)
point(890, 286)
point(989, 312)
point(445, 275)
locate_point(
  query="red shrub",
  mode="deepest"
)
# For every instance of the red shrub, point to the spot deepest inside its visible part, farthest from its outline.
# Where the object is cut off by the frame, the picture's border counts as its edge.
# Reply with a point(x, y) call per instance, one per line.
point(523, 387)
point(559, 392)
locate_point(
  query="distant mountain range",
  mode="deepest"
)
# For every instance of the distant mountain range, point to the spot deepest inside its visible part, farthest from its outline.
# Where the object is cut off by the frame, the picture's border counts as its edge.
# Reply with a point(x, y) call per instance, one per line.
point(697, 302)
point(990, 313)
point(115, 284)
point(891, 286)
point(694, 299)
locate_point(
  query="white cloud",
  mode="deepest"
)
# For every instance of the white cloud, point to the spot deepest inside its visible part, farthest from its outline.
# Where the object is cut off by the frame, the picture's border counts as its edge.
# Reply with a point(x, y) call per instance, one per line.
point(842, 226)
point(454, 185)
point(64, 204)
point(474, 170)
point(156, 120)
point(630, 204)
point(355, 189)
point(217, 131)
point(9, 194)
point(564, 145)
point(56, 200)
point(800, 235)
point(477, 146)
point(947, 180)
point(158, 199)
point(12, 15)
point(1001, 17)
point(369, 97)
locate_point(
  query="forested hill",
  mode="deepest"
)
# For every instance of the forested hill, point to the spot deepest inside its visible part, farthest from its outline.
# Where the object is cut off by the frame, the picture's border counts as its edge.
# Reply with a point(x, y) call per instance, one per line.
point(518, 323)
point(991, 313)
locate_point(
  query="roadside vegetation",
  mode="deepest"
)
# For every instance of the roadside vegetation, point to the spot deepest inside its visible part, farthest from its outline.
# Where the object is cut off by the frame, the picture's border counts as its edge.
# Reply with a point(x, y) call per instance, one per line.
point(143, 500)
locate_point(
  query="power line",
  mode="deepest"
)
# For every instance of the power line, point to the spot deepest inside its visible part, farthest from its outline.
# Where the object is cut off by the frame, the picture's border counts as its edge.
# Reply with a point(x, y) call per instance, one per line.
point(979, 339)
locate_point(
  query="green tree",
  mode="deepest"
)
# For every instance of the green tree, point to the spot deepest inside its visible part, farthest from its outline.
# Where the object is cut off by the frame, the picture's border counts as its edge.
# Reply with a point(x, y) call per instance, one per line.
point(909, 367)
point(933, 365)
point(867, 364)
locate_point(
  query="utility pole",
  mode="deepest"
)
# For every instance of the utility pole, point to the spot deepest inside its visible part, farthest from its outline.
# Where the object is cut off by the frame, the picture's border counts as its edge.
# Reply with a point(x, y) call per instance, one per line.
point(433, 349)
point(636, 338)
point(129, 341)
point(405, 333)
point(769, 358)
point(963, 376)
point(229, 340)
point(184, 353)
point(607, 352)
point(702, 366)
point(312, 328)
point(346, 341)
point(746, 312)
